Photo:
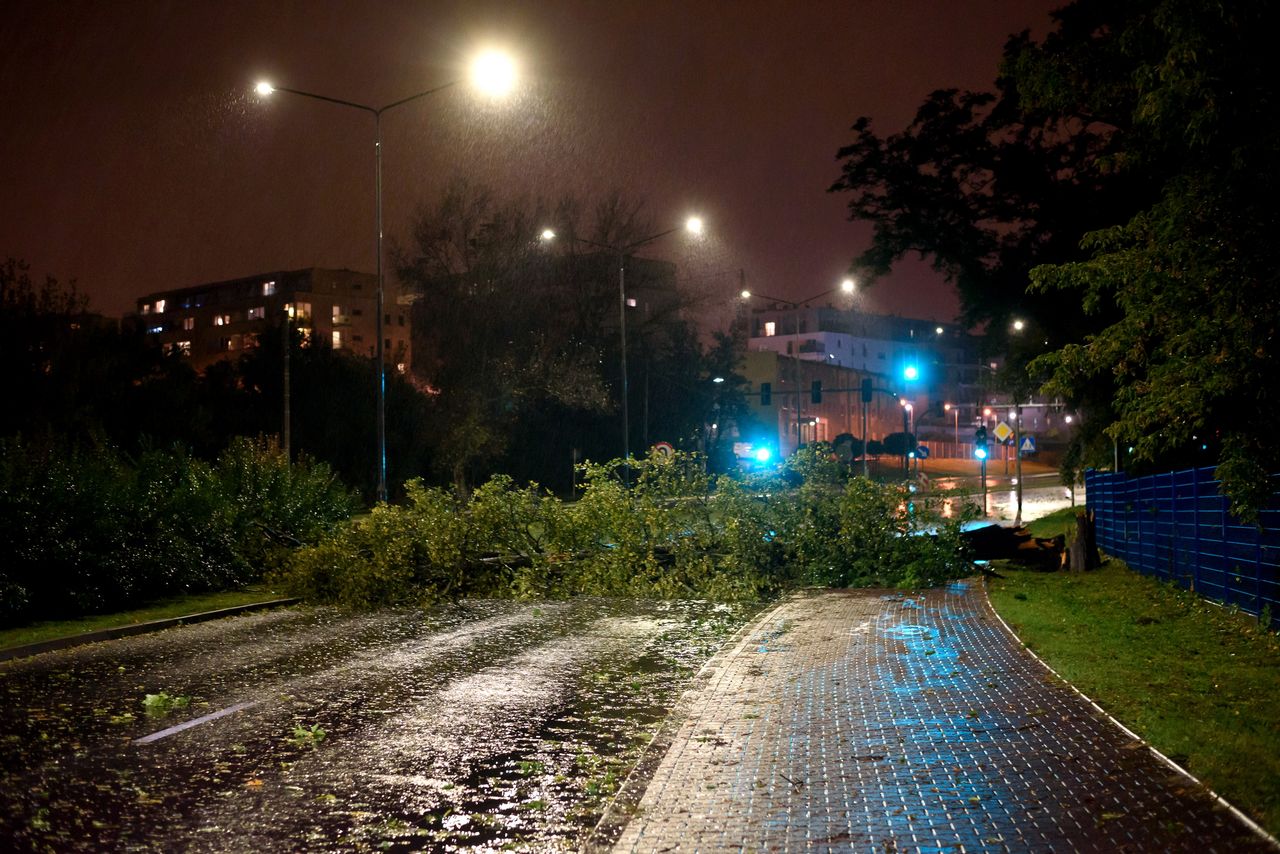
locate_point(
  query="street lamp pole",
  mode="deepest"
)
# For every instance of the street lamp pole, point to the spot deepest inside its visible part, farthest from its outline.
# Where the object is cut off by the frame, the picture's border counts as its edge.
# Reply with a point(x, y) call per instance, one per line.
point(491, 72)
point(286, 432)
point(693, 225)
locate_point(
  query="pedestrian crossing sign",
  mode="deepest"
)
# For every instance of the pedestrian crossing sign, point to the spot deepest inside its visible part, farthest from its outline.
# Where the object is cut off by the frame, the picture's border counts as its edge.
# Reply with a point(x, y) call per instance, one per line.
point(1027, 445)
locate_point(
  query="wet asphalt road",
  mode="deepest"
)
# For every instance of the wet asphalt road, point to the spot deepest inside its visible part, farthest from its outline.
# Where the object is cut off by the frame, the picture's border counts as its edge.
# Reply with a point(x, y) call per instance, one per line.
point(475, 726)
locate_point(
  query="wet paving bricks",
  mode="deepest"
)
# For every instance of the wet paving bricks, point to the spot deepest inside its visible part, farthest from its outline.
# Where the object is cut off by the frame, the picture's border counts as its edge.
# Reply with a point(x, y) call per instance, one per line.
point(891, 722)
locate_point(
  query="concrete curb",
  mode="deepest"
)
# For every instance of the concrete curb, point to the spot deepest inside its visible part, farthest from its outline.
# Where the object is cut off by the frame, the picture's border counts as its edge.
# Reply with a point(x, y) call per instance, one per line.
point(1174, 766)
point(29, 649)
point(622, 806)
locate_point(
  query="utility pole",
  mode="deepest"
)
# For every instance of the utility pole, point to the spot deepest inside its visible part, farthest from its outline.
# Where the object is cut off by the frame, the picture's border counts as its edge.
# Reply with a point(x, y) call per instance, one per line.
point(1017, 450)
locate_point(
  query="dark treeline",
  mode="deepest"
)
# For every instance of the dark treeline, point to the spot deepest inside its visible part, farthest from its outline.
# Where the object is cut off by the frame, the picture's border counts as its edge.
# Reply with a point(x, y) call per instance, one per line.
point(516, 364)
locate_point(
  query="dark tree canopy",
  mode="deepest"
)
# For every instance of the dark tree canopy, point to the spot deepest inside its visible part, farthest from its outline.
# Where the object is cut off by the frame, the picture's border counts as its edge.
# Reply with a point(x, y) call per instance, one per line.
point(1118, 190)
point(516, 338)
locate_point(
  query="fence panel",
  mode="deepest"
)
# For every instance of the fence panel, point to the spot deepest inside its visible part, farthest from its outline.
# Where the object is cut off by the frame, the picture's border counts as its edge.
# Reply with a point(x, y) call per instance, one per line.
point(1178, 527)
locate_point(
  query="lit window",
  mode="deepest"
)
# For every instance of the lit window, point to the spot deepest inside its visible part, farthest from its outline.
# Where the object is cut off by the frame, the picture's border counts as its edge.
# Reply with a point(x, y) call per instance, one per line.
point(184, 347)
point(302, 311)
point(222, 320)
point(400, 367)
point(257, 313)
point(304, 336)
point(770, 328)
point(188, 323)
point(250, 340)
point(337, 338)
point(160, 306)
point(631, 302)
point(268, 288)
point(146, 308)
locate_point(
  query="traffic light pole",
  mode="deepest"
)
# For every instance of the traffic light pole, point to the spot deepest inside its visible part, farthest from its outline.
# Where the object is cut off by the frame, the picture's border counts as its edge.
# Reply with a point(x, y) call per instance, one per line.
point(981, 452)
point(984, 487)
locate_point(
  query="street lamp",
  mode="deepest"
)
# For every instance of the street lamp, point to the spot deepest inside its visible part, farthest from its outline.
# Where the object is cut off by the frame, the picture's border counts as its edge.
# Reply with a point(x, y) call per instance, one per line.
point(492, 73)
point(694, 226)
point(846, 286)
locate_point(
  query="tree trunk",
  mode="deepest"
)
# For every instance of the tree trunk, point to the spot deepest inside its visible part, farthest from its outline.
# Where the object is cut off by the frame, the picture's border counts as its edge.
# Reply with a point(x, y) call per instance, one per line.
point(1083, 552)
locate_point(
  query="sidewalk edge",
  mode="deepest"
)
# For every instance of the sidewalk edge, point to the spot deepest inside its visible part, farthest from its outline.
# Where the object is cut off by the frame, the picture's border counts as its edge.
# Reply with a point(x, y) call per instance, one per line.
point(621, 807)
point(1223, 802)
point(30, 649)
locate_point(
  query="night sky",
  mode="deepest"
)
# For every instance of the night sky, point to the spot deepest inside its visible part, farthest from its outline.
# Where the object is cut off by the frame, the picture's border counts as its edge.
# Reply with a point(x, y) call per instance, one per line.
point(136, 157)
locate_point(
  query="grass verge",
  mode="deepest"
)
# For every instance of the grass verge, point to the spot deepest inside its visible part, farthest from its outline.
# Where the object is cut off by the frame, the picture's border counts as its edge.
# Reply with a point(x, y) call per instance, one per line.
point(164, 609)
point(1197, 681)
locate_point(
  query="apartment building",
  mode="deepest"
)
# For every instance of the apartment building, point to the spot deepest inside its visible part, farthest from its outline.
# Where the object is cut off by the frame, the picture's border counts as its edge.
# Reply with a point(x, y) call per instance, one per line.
point(220, 320)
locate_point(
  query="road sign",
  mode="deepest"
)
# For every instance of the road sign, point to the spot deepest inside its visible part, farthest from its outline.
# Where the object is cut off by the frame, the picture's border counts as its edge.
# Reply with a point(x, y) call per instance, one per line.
point(664, 450)
point(1003, 431)
point(922, 452)
point(1028, 445)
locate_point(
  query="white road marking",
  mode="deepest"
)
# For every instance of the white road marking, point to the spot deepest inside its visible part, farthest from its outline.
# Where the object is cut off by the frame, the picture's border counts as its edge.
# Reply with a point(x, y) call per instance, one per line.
point(212, 716)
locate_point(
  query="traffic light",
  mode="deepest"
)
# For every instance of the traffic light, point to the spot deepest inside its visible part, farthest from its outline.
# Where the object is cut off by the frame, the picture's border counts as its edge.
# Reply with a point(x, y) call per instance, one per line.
point(980, 443)
point(911, 373)
point(766, 394)
point(815, 392)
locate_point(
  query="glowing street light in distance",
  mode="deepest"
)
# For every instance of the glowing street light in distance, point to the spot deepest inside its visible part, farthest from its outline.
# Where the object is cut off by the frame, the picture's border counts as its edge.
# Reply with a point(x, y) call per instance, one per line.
point(548, 234)
point(847, 286)
point(264, 88)
point(493, 73)
point(693, 225)
point(746, 294)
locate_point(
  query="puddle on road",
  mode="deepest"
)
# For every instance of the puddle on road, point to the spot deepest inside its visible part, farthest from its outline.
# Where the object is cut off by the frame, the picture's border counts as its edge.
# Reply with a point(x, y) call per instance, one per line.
point(480, 726)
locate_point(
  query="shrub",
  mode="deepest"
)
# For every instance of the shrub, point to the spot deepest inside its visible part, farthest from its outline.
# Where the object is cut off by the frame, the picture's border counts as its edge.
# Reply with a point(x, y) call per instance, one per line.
point(87, 531)
point(674, 533)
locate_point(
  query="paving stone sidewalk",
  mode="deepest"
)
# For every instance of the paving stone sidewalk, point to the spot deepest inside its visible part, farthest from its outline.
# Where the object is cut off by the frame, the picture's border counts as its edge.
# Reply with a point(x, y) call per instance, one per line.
point(890, 722)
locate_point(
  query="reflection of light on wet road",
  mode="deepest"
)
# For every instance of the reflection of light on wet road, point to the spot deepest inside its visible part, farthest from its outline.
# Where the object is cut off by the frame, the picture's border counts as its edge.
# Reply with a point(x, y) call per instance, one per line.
point(476, 725)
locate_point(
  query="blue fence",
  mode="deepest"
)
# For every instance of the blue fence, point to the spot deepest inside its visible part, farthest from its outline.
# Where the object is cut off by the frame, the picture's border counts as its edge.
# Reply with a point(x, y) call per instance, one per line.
point(1177, 527)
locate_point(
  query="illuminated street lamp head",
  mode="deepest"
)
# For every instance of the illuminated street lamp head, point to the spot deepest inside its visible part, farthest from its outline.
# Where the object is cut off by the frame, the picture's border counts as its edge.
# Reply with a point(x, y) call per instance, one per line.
point(493, 73)
point(847, 286)
point(694, 225)
point(264, 88)
point(937, 330)
point(1018, 326)
point(746, 294)
point(946, 407)
point(548, 234)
